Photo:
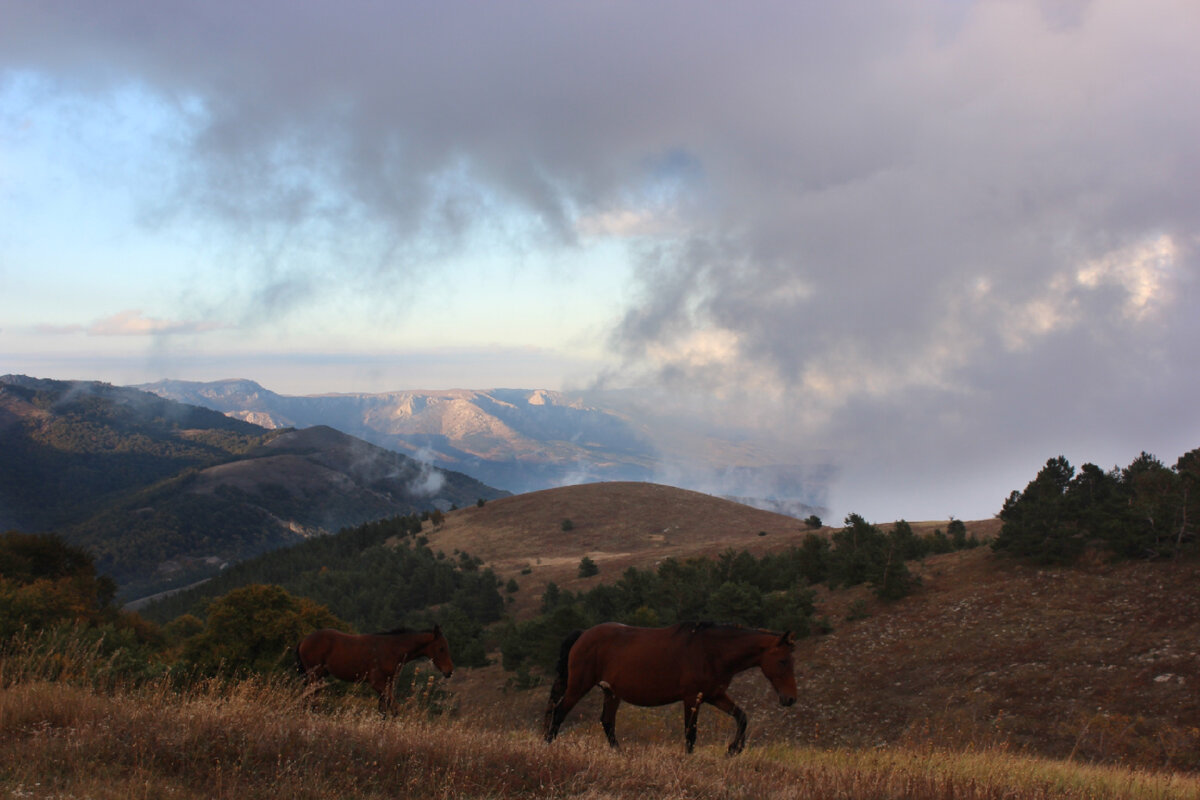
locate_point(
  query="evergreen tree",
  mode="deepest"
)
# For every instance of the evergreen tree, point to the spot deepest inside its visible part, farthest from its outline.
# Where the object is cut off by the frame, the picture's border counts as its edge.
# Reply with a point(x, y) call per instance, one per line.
point(1188, 469)
point(1037, 522)
point(905, 542)
point(1153, 491)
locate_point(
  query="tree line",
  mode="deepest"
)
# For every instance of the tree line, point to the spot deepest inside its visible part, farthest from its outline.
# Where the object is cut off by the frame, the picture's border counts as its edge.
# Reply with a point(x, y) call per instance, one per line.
point(1144, 510)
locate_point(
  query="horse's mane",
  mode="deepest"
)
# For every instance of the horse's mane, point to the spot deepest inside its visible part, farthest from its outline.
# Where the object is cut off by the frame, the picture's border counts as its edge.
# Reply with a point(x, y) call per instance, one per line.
point(396, 632)
point(706, 626)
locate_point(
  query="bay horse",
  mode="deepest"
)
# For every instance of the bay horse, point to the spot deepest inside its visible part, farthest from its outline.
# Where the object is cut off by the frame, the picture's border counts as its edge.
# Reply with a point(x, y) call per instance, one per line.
point(691, 663)
point(372, 658)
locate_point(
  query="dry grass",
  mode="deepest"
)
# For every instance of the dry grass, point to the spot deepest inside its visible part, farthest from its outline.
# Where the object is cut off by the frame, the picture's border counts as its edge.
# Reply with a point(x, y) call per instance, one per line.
point(252, 740)
point(83, 735)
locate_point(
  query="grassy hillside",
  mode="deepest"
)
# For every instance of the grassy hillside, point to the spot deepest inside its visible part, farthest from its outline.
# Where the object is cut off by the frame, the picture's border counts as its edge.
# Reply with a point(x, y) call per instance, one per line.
point(1094, 662)
point(961, 689)
point(254, 740)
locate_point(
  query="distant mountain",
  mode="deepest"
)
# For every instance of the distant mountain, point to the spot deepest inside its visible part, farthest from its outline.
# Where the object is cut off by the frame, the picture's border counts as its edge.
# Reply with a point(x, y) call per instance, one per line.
point(70, 448)
point(527, 440)
point(518, 439)
point(163, 492)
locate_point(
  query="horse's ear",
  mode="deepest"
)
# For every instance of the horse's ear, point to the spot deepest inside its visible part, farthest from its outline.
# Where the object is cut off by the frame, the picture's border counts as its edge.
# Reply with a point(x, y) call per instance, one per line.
point(788, 639)
point(437, 630)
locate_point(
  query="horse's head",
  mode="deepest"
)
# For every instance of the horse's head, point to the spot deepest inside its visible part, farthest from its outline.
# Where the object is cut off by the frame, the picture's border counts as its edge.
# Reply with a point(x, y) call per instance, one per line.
point(777, 665)
point(438, 651)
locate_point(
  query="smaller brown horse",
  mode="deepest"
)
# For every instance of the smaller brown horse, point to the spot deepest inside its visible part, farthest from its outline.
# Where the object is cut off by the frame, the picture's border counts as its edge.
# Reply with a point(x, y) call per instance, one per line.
point(372, 658)
point(689, 662)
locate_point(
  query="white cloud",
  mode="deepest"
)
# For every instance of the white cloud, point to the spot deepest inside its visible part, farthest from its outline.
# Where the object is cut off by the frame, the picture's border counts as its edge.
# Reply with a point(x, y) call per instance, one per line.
point(134, 323)
point(1143, 270)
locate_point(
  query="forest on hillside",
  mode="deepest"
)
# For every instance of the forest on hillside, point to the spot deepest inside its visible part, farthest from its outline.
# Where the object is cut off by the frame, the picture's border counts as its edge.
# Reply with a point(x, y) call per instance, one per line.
point(1144, 510)
point(375, 576)
point(70, 450)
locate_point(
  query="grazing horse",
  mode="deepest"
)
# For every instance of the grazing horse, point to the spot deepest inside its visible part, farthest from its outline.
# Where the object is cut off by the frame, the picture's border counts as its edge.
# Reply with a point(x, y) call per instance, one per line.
point(372, 658)
point(691, 663)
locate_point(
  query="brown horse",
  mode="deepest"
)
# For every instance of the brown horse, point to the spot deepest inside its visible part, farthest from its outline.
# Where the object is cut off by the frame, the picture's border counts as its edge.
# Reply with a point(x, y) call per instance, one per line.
point(689, 662)
point(372, 658)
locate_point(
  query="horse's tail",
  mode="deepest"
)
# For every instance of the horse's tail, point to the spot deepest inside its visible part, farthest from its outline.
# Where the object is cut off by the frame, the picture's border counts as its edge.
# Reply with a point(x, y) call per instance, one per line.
point(559, 687)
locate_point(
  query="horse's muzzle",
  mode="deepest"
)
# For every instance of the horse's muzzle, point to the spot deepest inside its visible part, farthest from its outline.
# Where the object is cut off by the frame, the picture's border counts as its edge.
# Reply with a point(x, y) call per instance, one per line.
point(448, 673)
point(786, 701)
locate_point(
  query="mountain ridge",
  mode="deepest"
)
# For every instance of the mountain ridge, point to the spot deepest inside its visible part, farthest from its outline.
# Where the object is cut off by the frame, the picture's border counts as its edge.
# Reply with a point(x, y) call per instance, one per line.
point(523, 439)
point(163, 493)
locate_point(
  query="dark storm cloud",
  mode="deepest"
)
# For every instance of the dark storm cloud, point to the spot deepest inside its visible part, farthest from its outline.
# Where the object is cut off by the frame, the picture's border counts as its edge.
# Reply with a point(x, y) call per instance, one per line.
point(921, 234)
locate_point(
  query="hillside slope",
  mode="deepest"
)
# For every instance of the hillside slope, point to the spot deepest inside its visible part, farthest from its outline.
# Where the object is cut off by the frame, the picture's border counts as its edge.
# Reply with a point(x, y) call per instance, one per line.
point(1096, 664)
point(69, 448)
point(164, 493)
point(618, 525)
point(1098, 661)
point(1093, 662)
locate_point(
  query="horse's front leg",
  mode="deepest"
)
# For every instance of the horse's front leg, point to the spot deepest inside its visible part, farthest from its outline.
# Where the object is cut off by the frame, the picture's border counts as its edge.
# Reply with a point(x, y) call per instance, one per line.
point(385, 684)
point(557, 690)
point(723, 702)
point(608, 717)
point(691, 712)
point(564, 705)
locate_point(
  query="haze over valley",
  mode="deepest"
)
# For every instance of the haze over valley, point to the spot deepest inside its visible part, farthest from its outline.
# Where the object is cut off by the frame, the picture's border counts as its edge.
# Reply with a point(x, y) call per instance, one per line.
point(525, 440)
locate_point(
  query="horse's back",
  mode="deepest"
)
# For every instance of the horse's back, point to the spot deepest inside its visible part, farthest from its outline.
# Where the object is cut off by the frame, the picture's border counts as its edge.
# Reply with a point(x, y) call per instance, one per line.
point(313, 646)
point(326, 647)
point(641, 665)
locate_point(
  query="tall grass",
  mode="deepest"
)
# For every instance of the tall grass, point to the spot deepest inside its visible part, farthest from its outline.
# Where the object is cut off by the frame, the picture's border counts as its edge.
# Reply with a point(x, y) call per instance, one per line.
point(65, 734)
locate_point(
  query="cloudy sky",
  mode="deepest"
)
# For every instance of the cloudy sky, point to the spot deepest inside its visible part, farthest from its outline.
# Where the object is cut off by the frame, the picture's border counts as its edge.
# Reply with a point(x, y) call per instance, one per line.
point(932, 243)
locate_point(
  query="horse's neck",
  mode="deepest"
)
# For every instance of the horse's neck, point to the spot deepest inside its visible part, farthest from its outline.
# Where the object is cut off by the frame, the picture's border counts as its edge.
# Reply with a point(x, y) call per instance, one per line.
point(417, 643)
point(737, 654)
point(407, 644)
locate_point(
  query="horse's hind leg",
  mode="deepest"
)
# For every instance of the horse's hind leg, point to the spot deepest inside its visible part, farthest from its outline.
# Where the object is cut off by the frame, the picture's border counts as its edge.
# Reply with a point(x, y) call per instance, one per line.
point(608, 717)
point(314, 682)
